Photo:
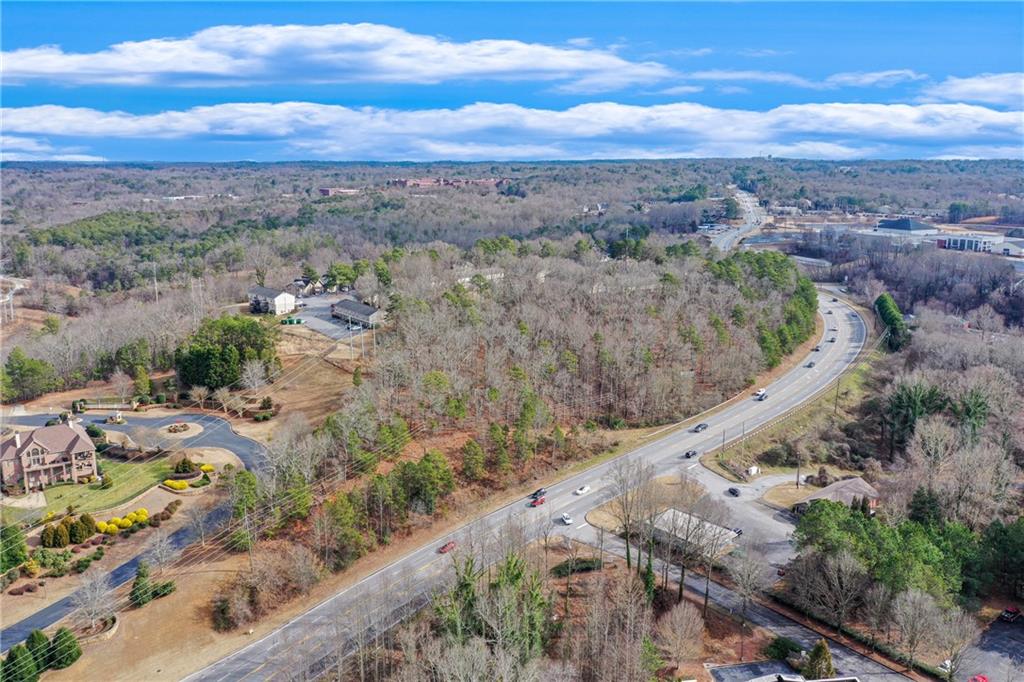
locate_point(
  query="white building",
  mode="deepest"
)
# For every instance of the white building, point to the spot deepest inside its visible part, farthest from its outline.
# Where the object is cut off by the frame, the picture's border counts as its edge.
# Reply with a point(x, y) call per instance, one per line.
point(274, 301)
point(980, 242)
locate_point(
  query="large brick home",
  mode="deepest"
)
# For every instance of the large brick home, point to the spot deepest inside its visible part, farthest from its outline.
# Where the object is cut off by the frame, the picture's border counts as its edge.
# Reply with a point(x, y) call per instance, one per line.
point(35, 459)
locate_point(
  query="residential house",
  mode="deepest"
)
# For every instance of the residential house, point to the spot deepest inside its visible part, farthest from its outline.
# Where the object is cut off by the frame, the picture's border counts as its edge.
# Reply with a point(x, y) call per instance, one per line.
point(304, 286)
point(355, 312)
point(844, 492)
point(274, 301)
point(51, 454)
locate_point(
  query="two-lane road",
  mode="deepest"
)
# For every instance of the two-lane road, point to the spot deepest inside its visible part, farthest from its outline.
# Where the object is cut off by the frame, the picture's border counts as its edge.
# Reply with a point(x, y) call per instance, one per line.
point(316, 632)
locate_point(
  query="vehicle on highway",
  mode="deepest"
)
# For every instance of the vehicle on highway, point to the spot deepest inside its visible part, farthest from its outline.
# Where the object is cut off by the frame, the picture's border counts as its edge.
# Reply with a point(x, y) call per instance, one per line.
point(738, 531)
point(810, 365)
point(759, 392)
point(828, 312)
point(538, 501)
point(447, 547)
point(762, 397)
point(1010, 614)
point(566, 519)
point(832, 340)
point(817, 348)
point(582, 490)
point(539, 492)
point(735, 492)
point(700, 427)
point(690, 454)
point(835, 300)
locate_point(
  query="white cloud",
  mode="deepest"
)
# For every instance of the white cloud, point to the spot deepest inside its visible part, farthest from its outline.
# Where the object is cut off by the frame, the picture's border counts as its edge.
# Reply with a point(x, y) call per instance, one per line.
point(509, 131)
point(866, 79)
point(762, 52)
point(335, 53)
point(751, 76)
point(989, 88)
point(681, 90)
point(16, 148)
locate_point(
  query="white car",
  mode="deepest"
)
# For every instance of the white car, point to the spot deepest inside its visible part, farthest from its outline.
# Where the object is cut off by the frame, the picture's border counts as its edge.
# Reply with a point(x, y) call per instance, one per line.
point(566, 519)
point(582, 490)
point(760, 392)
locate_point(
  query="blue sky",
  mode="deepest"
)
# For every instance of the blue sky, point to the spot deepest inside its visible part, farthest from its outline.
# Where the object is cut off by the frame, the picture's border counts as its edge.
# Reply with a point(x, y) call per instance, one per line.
point(423, 81)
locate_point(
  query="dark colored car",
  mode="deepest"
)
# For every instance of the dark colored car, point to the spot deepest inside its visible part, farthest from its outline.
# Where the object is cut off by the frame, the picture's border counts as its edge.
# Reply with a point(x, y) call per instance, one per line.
point(810, 365)
point(828, 312)
point(832, 340)
point(1010, 614)
point(700, 427)
point(835, 300)
point(762, 397)
point(447, 547)
point(689, 454)
point(817, 348)
point(735, 492)
point(738, 531)
point(539, 492)
point(538, 501)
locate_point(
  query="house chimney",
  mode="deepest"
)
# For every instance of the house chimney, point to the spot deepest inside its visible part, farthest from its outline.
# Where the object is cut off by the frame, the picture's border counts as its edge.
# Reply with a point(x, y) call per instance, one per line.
point(17, 439)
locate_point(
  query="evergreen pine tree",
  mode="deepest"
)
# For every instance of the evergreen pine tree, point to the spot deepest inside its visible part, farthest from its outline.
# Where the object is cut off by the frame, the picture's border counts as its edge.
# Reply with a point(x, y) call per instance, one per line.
point(819, 663)
point(90, 524)
point(66, 649)
point(19, 666)
point(61, 537)
point(46, 537)
point(13, 547)
point(142, 588)
point(649, 579)
point(38, 645)
point(77, 532)
point(865, 506)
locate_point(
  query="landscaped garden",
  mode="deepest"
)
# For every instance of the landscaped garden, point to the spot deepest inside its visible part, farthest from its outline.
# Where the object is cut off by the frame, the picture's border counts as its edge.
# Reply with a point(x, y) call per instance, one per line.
point(121, 482)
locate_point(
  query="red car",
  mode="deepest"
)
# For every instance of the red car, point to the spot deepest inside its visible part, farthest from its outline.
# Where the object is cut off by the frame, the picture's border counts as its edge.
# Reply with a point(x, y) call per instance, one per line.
point(1010, 614)
point(538, 501)
point(447, 547)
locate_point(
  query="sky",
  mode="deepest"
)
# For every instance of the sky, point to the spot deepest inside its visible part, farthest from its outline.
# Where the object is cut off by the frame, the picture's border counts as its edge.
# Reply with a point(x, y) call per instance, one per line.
point(422, 81)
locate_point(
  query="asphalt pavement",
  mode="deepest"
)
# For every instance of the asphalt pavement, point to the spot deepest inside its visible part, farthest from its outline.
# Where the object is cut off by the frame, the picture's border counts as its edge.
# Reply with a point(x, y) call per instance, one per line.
point(316, 631)
point(753, 218)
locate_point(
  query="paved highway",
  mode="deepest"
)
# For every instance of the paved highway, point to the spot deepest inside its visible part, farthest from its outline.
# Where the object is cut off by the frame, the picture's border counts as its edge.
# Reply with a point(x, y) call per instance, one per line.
point(753, 218)
point(316, 632)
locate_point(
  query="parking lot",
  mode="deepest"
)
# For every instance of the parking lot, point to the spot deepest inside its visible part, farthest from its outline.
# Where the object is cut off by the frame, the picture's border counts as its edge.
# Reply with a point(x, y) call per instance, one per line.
point(317, 315)
point(999, 653)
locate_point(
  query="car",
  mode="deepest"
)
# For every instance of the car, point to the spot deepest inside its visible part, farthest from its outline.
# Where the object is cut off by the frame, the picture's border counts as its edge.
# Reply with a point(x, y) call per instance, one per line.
point(690, 454)
point(582, 490)
point(738, 531)
point(447, 547)
point(566, 519)
point(700, 427)
point(945, 665)
point(759, 392)
point(538, 501)
point(832, 340)
point(817, 348)
point(762, 397)
point(835, 300)
point(301, 304)
point(810, 365)
point(1010, 614)
point(539, 492)
point(354, 327)
point(828, 312)
point(735, 492)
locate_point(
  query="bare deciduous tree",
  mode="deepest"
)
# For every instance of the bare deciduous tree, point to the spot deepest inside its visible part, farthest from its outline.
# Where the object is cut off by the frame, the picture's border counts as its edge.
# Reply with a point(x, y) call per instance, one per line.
point(915, 615)
point(122, 385)
point(956, 631)
point(199, 394)
point(876, 610)
point(254, 375)
point(750, 578)
point(223, 396)
point(94, 600)
point(631, 482)
point(196, 516)
point(162, 551)
point(680, 632)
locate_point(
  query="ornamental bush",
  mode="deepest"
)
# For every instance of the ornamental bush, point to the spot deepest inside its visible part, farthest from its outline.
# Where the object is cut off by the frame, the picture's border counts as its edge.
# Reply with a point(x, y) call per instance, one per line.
point(38, 645)
point(142, 588)
point(66, 649)
point(207, 468)
point(175, 485)
point(124, 523)
point(19, 666)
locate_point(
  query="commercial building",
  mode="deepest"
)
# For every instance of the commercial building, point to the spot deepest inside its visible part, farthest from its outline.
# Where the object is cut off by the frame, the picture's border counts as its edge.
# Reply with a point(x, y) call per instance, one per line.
point(355, 312)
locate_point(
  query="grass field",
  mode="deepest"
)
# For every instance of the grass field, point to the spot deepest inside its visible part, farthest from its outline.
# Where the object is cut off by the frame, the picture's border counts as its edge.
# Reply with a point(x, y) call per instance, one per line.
point(130, 479)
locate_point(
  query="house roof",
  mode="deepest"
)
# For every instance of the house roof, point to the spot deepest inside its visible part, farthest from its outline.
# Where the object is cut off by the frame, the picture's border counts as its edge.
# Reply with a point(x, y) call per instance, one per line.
point(354, 307)
point(844, 491)
point(265, 292)
point(68, 437)
point(904, 224)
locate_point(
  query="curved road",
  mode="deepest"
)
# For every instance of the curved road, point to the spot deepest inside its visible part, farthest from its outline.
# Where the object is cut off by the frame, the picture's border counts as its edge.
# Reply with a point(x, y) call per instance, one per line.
point(216, 433)
point(315, 634)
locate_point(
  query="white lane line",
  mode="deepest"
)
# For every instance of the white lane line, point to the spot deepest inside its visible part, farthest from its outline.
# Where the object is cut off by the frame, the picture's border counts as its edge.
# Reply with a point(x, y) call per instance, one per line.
point(693, 465)
point(582, 525)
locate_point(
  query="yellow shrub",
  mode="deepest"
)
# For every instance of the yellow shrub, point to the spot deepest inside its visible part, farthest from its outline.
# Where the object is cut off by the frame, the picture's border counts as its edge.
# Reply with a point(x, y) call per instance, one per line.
point(112, 529)
point(142, 512)
point(101, 526)
point(175, 485)
point(132, 517)
point(114, 521)
point(124, 523)
point(207, 468)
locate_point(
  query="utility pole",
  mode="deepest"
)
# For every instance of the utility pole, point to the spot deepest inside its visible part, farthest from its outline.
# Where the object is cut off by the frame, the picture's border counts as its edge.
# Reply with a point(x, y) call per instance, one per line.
point(835, 409)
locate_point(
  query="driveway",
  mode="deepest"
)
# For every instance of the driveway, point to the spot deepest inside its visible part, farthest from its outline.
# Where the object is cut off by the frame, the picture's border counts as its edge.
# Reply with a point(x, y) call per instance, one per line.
point(317, 316)
point(999, 653)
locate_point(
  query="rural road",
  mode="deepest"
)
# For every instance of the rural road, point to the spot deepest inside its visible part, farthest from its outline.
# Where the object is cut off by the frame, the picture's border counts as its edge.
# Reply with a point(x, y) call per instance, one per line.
point(315, 634)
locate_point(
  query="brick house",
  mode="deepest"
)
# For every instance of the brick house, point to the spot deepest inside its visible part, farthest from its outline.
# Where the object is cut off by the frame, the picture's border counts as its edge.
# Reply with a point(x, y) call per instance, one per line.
point(47, 455)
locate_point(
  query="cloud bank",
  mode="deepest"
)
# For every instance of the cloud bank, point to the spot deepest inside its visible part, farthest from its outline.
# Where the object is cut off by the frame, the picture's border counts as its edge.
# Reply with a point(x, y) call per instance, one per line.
point(510, 131)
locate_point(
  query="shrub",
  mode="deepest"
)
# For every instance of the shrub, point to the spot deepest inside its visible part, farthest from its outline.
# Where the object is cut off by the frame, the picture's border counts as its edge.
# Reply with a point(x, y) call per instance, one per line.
point(16, 591)
point(185, 466)
point(94, 431)
point(108, 482)
point(101, 527)
point(82, 565)
point(202, 482)
point(38, 645)
point(163, 589)
point(66, 649)
point(142, 588)
point(143, 400)
point(79, 532)
point(161, 398)
point(89, 523)
point(175, 485)
point(31, 587)
point(61, 537)
point(207, 468)
point(112, 529)
point(579, 566)
point(780, 648)
point(267, 403)
point(155, 521)
point(20, 666)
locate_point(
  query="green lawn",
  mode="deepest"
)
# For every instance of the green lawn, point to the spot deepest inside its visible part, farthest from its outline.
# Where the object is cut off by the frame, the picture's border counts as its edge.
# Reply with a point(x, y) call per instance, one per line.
point(130, 479)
